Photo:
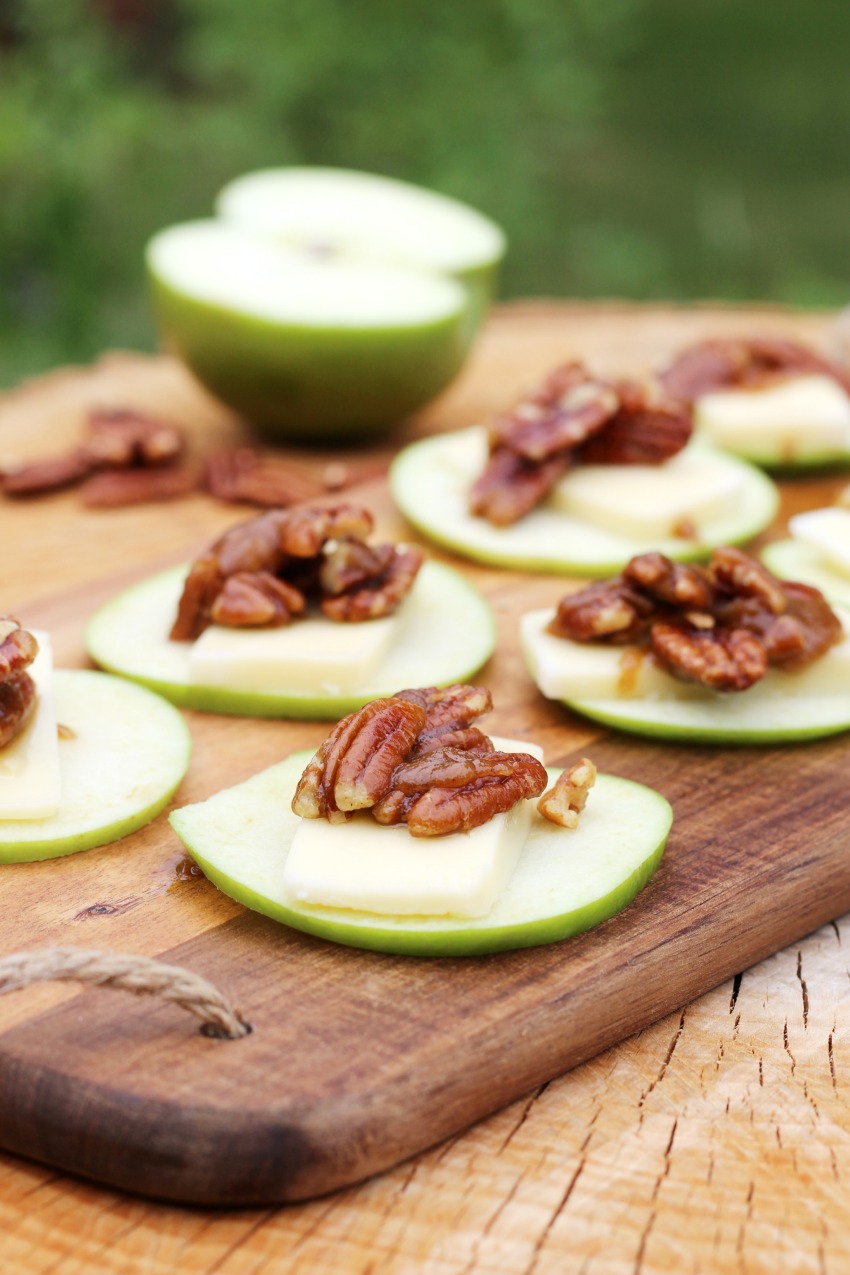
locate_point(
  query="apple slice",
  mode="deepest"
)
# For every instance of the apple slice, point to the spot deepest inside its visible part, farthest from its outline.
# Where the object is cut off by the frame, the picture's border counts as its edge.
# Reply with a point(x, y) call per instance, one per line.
point(309, 344)
point(446, 634)
point(430, 481)
point(370, 218)
point(565, 882)
point(801, 423)
point(122, 754)
point(782, 707)
point(794, 560)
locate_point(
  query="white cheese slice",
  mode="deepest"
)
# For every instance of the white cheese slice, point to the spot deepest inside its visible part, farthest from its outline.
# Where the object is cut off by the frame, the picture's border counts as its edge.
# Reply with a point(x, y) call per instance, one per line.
point(312, 655)
point(364, 866)
point(804, 415)
point(30, 781)
point(652, 501)
point(584, 670)
point(827, 530)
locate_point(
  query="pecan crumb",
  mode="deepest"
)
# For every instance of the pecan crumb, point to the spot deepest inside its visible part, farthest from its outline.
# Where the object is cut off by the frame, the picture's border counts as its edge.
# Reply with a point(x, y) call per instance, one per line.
point(65, 732)
point(563, 803)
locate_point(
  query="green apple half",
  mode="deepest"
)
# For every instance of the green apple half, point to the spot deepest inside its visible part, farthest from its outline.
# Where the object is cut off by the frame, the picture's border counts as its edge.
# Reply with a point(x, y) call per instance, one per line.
point(767, 713)
point(371, 218)
point(123, 755)
point(430, 482)
point(793, 560)
point(447, 634)
point(565, 882)
point(343, 322)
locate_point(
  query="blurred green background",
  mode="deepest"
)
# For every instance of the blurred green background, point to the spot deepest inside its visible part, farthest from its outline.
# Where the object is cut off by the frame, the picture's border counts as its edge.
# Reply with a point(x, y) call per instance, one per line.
point(630, 148)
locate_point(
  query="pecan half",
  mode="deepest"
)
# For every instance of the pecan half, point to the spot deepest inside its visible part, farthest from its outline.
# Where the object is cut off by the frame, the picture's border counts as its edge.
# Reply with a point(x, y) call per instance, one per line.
point(120, 488)
point(563, 803)
point(721, 659)
point(671, 582)
point(574, 417)
point(606, 611)
point(449, 714)
point(353, 768)
point(380, 595)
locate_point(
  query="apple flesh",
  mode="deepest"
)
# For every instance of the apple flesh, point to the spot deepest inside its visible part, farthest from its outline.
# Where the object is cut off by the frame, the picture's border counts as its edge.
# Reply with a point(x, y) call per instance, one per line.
point(431, 479)
point(566, 881)
point(793, 560)
point(124, 757)
point(371, 218)
point(447, 633)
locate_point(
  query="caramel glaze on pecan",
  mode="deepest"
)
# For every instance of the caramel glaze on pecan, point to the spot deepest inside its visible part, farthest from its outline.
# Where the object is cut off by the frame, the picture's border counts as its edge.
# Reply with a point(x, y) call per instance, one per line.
point(743, 363)
point(573, 417)
point(18, 649)
point(406, 759)
point(723, 626)
point(268, 570)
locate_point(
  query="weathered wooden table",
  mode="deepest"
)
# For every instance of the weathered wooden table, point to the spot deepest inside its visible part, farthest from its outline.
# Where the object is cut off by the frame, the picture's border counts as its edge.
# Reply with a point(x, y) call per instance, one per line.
point(716, 1140)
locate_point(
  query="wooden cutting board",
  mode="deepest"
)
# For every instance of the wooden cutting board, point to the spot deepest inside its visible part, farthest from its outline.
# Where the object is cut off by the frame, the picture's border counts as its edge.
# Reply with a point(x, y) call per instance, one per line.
point(358, 1060)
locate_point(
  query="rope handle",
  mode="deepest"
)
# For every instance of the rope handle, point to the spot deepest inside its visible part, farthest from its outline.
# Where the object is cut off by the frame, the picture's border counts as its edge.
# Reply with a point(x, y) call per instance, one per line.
point(130, 973)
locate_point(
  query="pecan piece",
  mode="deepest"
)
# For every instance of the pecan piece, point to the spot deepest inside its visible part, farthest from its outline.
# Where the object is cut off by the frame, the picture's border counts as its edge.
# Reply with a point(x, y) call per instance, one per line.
point(304, 531)
point(563, 803)
point(348, 563)
point(744, 577)
point(200, 590)
point(353, 768)
point(256, 599)
point(564, 411)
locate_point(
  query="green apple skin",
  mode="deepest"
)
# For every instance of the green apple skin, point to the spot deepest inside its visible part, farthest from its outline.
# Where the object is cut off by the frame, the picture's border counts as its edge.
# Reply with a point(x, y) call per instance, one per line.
point(687, 723)
point(420, 479)
point(154, 601)
point(258, 810)
point(319, 384)
point(83, 702)
point(793, 560)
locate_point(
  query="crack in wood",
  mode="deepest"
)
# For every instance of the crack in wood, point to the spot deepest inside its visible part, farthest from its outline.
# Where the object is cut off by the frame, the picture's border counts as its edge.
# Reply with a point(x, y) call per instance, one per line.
point(831, 1057)
point(787, 1047)
point(736, 988)
point(562, 1204)
point(834, 925)
point(803, 988)
point(663, 1069)
point(523, 1116)
point(656, 1190)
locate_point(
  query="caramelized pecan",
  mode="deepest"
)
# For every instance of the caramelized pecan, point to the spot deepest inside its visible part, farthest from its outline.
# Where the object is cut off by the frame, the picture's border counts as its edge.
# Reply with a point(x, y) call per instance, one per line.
point(723, 626)
point(563, 803)
point(449, 714)
point(243, 475)
point(286, 559)
point(119, 488)
point(606, 611)
point(123, 437)
point(379, 595)
point(256, 599)
point(569, 418)
point(743, 363)
point(51, 474)
point(18, 649)
point(372, 760)
point(353, 768)
point(459, 791)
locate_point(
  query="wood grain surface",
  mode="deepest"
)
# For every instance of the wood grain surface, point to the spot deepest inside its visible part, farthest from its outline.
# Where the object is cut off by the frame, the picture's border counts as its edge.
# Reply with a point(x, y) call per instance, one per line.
point(716, 1140)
